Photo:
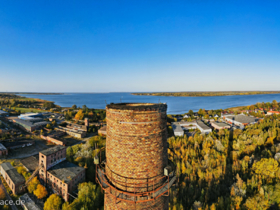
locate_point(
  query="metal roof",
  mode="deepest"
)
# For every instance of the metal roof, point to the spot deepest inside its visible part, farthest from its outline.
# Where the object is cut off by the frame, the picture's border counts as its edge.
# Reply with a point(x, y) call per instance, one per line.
point(220, 124)
point(31, 124)
point(31, 163)
point(52, 150)
point(65, 171)
point(202, 125)
point(177, 127)
point(2, 147)
point(242, 118)
point(29, 203)
point(7, 166)
point(3, 112)
point(15, 176)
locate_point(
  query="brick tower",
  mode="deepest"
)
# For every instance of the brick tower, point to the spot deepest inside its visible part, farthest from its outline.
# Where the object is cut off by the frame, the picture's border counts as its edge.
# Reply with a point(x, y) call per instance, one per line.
point(135, 173)
point(86, 122)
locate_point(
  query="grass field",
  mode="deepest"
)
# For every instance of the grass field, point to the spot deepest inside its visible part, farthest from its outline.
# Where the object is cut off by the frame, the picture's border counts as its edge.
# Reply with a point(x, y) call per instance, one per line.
point(24, 110)
point(27, 99)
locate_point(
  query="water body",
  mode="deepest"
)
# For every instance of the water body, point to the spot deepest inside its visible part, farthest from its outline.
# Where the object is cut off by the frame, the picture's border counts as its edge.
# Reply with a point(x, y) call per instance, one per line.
point(176, 105)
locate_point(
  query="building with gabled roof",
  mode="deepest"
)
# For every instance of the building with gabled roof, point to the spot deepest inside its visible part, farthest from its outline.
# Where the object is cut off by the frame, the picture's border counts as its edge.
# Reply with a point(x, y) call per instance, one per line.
point(12, 177)
point(27, 203)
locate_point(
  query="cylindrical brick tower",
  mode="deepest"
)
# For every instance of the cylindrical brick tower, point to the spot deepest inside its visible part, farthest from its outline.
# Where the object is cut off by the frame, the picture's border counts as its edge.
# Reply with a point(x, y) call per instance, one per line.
point(136, 157)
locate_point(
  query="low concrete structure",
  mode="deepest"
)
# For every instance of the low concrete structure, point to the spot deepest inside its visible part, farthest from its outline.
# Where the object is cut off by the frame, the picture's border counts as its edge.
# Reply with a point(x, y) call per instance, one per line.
point(203, 128)
point(198, 124)
point(3, 113)
point(71, 132)
point(220, 125)
point(54, 138)
point(17, 144)
point(102, 131)
point(27, 203)
point(12, 177)
point(177, 129)
point(74, 126)
point(3, 150)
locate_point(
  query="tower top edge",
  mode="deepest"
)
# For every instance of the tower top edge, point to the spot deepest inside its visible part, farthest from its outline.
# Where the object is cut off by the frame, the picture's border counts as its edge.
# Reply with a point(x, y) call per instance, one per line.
point(136, 106)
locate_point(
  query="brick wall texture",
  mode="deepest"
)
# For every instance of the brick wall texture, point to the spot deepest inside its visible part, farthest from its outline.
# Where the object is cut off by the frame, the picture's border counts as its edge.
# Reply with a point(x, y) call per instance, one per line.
point(159, 204)
point(136, 151)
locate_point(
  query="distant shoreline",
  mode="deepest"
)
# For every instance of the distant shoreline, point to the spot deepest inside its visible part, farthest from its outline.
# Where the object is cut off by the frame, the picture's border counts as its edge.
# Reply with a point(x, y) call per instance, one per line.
point(207, 94)
point(32, 93)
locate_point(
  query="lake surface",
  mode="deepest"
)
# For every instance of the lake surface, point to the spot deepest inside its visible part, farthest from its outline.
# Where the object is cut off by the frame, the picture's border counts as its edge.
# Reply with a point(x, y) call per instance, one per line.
point(176, 105)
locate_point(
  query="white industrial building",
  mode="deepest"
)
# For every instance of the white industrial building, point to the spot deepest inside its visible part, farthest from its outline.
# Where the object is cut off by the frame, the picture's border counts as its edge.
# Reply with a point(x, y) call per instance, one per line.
point(179, 128)
point(240, 120)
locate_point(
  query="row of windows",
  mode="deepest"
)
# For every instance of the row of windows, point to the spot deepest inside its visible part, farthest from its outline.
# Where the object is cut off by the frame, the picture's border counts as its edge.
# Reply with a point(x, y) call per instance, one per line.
point(56, 154)
point(7, 180)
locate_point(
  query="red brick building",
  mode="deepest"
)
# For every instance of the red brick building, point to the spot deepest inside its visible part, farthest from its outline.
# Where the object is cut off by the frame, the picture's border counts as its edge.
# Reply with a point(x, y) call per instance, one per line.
point(62, 176)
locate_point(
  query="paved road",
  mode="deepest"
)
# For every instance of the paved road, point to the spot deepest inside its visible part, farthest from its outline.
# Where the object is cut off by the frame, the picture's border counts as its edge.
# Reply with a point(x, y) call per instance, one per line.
point(8, 196)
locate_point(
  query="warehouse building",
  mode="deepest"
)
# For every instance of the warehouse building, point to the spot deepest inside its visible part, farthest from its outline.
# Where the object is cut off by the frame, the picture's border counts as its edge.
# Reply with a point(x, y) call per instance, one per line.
point(17, 144)
point(74, 126)
point(72, 132)
point(203, 128)
point(30, 125)
point(177, 129)
point(12, 177)
point(220, 125)
point(54, 137)
point(31, 116)
point(240, 120)
point(198, 124)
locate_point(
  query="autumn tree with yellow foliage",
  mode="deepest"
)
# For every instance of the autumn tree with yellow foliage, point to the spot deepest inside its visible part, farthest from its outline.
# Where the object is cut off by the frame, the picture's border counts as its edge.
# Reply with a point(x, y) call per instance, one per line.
point(40, 192)
point(54, 202)
point(79, 115)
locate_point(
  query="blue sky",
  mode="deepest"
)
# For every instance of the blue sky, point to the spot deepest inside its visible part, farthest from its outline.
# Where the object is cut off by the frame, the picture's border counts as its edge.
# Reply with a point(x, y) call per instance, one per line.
point(109, 46)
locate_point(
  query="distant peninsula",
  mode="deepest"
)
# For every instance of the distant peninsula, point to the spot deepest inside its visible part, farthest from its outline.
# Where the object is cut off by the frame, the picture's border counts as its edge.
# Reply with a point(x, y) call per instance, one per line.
point(206, 93)
point(33, 93)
